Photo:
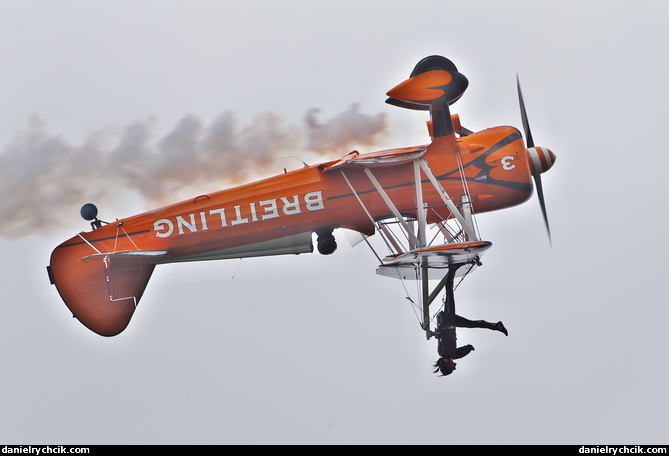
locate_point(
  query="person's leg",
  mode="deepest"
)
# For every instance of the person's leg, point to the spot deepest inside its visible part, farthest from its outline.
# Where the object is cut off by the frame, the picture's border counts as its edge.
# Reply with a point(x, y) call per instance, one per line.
point(461, 322)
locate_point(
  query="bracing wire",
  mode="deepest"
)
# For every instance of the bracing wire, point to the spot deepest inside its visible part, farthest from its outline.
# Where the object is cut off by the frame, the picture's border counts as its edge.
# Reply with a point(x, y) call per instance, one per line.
point(465, 188)
point(235, 274)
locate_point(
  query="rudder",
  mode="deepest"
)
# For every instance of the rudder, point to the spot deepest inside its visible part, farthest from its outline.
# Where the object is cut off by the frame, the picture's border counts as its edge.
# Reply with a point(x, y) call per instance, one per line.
point(103, 290)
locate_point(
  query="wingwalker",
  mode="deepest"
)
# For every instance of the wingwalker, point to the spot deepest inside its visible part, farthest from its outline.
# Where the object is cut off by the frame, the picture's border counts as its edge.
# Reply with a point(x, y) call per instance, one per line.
point(421, 200)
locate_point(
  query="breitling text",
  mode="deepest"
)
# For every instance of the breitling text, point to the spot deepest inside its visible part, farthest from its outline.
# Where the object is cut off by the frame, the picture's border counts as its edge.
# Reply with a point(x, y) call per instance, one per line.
point(246, 213)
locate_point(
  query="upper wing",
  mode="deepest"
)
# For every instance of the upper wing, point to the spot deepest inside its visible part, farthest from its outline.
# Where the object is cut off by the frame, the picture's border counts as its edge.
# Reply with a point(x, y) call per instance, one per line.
point(391, 157)
point(439, 258)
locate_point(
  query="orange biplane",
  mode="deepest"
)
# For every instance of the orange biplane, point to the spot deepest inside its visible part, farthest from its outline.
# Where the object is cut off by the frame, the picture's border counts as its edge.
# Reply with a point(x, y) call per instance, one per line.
point(403, 194)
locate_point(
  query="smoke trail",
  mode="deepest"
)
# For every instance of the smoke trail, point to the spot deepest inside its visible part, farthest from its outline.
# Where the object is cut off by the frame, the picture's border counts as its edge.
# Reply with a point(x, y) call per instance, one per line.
point(343, 130)
point(44, 178)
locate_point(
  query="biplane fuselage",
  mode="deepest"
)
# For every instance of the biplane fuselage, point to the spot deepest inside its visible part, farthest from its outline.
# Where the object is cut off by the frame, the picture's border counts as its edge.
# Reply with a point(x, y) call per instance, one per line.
point(102, 274)
point(278, 216)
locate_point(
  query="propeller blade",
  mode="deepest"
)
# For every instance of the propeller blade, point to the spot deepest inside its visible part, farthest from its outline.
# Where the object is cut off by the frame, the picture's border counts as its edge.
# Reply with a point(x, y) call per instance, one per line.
point(529, 142)
point(523, 114)
point(540, 194)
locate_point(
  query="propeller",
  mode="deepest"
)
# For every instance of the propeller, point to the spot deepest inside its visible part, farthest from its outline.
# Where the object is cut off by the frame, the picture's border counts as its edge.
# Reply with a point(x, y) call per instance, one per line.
point(541, 159)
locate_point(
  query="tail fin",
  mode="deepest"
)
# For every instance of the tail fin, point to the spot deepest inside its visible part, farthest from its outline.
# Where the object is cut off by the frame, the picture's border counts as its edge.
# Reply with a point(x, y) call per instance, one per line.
point(101, 290)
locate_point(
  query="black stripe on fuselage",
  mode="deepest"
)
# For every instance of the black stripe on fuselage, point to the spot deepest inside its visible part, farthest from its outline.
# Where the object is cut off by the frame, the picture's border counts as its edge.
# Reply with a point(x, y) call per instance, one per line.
point(479, 162)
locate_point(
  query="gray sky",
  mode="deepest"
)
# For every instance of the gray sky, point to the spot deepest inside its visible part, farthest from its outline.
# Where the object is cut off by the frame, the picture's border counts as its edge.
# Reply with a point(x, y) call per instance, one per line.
point(313, 349)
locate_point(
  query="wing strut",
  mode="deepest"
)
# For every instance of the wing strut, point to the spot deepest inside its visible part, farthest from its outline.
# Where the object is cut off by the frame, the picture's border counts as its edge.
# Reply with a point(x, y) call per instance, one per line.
point(420, 260)
point(393, 209)
point(425, 278)
point(421, 215)
point(466, 224)
point(366, 212)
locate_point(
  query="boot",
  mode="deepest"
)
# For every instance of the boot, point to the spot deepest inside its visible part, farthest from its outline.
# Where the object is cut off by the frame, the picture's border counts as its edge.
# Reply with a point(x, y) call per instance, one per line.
point(499, 326)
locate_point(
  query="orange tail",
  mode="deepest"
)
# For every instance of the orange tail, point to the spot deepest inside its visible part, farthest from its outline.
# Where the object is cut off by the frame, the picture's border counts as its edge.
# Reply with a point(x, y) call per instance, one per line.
point(101, 290)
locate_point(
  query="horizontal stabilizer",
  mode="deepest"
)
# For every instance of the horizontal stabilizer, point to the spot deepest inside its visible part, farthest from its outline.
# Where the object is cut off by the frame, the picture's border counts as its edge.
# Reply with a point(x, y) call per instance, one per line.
point(127, 254)
point(289, 245)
